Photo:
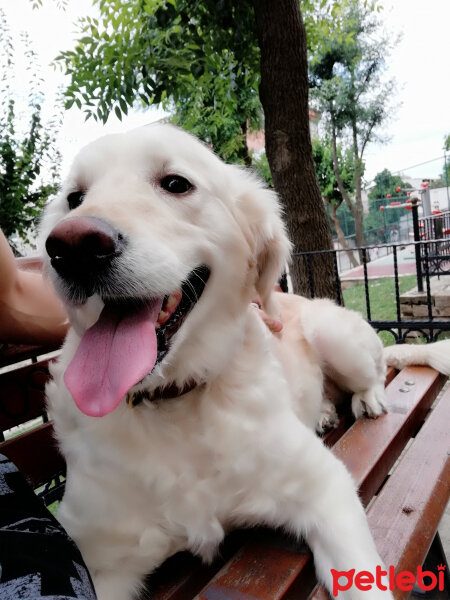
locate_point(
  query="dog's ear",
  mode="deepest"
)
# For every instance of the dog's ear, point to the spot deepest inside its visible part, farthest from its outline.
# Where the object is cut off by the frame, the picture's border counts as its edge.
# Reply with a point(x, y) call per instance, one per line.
point(266, 234)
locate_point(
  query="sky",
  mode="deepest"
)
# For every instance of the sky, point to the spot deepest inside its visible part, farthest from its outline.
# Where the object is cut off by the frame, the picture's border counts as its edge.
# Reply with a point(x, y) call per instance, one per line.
point(419, 63)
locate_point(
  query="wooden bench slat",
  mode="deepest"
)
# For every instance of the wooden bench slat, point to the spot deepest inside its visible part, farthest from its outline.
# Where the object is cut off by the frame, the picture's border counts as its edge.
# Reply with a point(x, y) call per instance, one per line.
point(421, 485)
point(22, 396)
point(371, 446)
point(184, 575)
point(277, 571)
point(183, 578)
point(14, 353)
point(405, 515)
point(264, 569)
point(391, 372)
point(267, 567)
point(38, 466)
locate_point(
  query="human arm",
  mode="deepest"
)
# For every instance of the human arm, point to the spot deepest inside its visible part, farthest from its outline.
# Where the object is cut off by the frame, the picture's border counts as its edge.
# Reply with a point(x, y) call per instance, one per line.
point(30, 312)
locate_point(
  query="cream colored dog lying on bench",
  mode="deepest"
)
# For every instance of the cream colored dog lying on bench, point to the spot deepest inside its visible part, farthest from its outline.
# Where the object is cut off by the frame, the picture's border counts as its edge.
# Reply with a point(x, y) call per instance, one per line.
point(179, 414)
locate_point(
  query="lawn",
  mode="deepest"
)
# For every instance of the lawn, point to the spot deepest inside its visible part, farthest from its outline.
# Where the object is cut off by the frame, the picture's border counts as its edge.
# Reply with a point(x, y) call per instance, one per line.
point(382, 300)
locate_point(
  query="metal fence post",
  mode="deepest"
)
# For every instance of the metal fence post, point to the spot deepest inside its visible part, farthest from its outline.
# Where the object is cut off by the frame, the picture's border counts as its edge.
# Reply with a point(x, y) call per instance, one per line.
point(446, 179)
point(416, 229)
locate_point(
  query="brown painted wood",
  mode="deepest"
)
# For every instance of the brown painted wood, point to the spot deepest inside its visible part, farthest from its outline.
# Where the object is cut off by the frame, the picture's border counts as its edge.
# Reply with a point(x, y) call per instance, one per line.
point(35, 454)
point(371, 446)
point(183, 575)
point(264, 569)
point(390, 374)
point(368, 448)
point(405, 515)
point(22, 396)
point(267, 567)
point(330, 438)
point(14, 353)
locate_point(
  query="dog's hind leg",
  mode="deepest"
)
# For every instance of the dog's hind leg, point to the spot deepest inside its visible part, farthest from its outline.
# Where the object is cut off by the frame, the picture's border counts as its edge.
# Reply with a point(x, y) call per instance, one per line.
point(308, 491)
point(350, 352)
point(328, 418)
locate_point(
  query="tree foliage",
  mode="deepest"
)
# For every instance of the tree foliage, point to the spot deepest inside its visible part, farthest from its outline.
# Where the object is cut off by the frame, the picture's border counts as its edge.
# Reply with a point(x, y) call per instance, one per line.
point(349, 89)
point(387, 183)
point(61, 4)
point(323, 161)
point(200, 60)
point(261, 165)
point(28, 160)
point(383, 222)
point(444, 178)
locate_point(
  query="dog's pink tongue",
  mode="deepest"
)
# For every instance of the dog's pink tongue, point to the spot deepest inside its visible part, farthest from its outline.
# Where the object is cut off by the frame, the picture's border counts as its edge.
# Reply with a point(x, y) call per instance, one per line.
point(113, 355)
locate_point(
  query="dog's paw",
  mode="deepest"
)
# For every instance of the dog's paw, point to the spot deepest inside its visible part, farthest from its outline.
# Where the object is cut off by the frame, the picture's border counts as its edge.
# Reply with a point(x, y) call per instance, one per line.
point(328, 418)
point(371, 403)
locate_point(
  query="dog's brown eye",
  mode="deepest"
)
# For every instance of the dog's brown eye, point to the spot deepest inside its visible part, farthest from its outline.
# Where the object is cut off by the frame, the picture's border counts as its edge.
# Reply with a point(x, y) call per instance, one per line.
point(176, 184)
point(74, 199)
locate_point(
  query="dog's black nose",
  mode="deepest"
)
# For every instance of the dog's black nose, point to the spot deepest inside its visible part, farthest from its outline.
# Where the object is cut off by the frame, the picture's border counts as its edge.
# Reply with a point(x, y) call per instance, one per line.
point(83, 246)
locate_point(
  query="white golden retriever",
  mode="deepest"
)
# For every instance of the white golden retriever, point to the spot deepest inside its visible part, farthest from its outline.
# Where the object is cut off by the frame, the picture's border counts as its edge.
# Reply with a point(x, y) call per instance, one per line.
point(179, 414)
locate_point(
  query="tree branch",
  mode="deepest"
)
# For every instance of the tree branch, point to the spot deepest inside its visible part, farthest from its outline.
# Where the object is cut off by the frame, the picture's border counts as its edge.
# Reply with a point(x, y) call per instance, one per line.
point(337, 174)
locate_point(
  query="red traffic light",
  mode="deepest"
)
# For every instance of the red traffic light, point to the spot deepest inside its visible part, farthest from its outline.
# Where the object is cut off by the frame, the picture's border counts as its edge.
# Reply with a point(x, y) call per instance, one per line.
point(424, 184)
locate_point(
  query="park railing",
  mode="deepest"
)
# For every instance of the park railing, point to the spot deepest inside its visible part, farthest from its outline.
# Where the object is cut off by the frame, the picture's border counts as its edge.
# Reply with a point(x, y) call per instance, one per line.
point(435, 226)
point(394, 312)
point(435, 229)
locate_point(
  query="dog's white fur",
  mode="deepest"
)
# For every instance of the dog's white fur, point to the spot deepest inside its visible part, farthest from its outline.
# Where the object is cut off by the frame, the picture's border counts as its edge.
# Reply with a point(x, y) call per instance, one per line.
point(239, 449)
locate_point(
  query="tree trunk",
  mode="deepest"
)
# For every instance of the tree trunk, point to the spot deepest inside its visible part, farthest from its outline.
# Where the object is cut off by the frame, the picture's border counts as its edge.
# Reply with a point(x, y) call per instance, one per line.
point(356, 208)
point(359, 210)
point(244, 153)
point(340, 233)
point(337, 173)
point(284, 96)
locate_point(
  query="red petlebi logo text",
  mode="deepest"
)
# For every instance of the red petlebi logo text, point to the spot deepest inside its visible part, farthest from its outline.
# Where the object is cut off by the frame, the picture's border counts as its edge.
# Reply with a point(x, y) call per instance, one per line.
point(387, 580)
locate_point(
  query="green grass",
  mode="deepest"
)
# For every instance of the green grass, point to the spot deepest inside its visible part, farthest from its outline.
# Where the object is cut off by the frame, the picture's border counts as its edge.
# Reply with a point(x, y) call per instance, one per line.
point(382, 300)
point(53, 507)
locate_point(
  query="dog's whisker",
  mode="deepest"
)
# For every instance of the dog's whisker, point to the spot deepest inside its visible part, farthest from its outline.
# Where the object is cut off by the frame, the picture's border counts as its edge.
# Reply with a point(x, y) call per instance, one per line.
point(195, 274)
point(195, 298)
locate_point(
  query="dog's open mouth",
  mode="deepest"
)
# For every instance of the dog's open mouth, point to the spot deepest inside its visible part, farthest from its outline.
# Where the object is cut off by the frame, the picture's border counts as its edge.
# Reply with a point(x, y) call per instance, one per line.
point(130, 337)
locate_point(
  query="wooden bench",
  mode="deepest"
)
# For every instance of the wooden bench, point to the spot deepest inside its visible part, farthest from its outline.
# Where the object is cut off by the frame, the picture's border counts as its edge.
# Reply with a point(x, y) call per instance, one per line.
point(406, 498)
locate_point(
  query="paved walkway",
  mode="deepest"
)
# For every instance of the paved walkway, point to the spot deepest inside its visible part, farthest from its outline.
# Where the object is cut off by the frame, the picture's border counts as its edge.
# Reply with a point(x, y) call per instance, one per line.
point(384, 267)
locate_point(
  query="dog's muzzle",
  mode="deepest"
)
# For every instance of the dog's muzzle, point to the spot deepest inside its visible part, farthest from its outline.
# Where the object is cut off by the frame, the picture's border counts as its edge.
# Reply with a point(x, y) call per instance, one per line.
point(83, 248)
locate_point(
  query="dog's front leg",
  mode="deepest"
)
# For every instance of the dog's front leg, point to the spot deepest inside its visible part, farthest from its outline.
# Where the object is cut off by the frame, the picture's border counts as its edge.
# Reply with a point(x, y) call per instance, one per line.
point(310, 492)
point(117, 585)
point(119, 572)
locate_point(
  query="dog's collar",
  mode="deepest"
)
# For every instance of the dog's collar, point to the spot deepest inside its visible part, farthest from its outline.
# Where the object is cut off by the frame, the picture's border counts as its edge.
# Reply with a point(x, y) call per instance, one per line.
point(161, 393)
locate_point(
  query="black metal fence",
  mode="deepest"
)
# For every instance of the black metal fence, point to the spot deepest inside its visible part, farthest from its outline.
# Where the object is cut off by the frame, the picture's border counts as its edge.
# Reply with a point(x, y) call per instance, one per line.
point(423, 259)
point(435, 254)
